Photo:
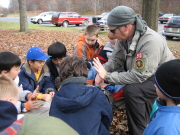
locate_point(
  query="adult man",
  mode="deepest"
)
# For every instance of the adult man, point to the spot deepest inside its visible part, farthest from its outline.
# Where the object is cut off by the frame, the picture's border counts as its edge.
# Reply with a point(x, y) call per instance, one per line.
point(140, 50)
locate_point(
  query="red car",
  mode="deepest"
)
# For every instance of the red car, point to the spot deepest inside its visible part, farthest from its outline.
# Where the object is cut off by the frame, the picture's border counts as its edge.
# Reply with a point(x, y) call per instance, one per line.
point(68, 18)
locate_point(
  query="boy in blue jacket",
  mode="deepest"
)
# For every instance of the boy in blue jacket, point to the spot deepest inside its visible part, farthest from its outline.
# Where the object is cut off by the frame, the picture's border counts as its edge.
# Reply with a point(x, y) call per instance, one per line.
point(57, 51)
point(85, 108)
point(35, 73)
point(10, 66)
point(167, 118)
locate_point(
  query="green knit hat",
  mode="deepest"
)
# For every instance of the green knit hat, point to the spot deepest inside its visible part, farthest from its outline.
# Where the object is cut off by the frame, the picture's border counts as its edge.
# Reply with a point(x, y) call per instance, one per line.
point(123, 15)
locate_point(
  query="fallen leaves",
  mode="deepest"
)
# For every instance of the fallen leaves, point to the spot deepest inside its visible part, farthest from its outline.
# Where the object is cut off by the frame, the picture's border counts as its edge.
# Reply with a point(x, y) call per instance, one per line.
point(19, 43)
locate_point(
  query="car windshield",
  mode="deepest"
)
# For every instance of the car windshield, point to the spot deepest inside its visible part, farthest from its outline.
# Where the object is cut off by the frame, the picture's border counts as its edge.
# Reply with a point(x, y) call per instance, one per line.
point(42, 14)
point(175, 21)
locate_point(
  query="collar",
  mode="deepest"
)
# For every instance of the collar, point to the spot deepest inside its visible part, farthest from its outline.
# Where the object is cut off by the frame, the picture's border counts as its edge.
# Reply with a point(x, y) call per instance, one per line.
point(80, 80)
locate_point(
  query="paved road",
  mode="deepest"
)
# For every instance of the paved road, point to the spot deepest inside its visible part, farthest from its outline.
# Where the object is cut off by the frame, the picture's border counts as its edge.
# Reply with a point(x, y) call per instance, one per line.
point(16, 19)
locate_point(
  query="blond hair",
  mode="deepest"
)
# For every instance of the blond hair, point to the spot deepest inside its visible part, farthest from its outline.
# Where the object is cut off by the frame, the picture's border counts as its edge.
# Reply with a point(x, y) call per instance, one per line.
point(8, 88)
point(91, 30)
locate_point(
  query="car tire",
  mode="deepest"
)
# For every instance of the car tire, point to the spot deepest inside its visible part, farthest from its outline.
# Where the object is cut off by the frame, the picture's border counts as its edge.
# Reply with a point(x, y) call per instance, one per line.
point(169, 37)
point(40, 21)
point(65, 24)
point(161, 22)
point(57, 25)
point(85, 22)
point(77, 24)
point(34, 22)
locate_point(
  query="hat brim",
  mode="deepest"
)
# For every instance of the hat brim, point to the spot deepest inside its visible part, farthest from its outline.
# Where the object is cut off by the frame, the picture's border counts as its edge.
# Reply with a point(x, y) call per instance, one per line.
point(43, 57)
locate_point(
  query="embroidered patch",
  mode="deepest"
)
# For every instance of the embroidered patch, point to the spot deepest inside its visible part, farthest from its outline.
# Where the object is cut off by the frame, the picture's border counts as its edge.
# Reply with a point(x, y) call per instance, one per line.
point(139, 64)
point(139, 55)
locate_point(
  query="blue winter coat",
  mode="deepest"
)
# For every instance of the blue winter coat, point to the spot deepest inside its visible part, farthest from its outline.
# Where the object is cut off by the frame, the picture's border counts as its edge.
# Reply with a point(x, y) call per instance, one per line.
point(8, 114)
point(28, 81)
point(165, 122)
point(84, 108)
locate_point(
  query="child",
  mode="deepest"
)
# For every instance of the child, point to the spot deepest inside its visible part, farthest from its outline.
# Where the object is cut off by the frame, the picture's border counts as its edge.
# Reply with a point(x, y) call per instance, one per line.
point(10, 66)
point(57, 51)
point(85, 108)
point(104, 55)
point(88, 46)
point(34, 72)
point(8, 98)
point(10, 125)
point(167, 118)
point(106, 51)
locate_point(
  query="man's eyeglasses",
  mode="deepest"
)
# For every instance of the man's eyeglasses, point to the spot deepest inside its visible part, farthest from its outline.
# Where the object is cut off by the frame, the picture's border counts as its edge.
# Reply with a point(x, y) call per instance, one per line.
point(114, 30)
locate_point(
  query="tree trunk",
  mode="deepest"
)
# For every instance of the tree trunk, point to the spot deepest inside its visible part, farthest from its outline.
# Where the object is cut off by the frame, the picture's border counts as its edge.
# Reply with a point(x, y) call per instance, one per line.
point(150, 11)
point(23, 16)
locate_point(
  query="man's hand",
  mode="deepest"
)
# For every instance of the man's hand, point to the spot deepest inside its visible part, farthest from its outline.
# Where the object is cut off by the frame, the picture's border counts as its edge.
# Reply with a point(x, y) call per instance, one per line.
point(99, 68)
point(98, 80)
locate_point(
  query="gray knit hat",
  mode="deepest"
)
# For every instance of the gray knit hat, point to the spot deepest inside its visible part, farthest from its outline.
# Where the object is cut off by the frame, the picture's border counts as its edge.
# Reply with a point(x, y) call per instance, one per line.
point(123, 15)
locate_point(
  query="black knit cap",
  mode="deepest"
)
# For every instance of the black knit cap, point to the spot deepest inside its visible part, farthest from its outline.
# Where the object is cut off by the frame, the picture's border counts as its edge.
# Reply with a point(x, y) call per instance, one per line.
point(167, 79)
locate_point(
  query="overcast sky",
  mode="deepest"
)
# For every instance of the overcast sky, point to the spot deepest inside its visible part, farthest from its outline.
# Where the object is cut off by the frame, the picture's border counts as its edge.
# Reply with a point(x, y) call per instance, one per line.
point(4, 3)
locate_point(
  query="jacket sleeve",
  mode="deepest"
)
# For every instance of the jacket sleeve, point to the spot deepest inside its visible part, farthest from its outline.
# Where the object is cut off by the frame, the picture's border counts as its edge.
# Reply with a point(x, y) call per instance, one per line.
point(18, 106)
point(47, 83)
point(117, 60)
point(80, 50)
point(107, 113)
point(25, 82)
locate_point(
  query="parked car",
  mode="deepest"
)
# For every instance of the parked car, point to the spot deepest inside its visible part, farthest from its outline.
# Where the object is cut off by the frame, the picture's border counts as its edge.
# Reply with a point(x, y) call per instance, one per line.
point(68, 18)
point(102, 23)
point(165, 17)
point(43, 17)
point(160, 14)
point(98, 17)
point(172, 28)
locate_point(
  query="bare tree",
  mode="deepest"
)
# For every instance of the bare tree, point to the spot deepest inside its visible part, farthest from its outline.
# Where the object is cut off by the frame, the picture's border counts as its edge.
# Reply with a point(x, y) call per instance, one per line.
point(150, 11)
point(94, 6)
point(14, 6)
point(23, 16)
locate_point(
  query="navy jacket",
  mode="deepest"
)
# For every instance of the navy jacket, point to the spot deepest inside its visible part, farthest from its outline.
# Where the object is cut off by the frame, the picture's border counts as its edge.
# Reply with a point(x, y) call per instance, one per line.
point(28, 81)
point(84, 108)
point(8, 114)
point(52, 69)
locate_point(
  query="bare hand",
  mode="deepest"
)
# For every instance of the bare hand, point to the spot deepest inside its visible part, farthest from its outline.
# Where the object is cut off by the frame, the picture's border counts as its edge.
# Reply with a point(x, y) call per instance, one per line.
point(35, 93)
point(52, 93)
point(99, 68)
point(46, 97)
point(98, 80)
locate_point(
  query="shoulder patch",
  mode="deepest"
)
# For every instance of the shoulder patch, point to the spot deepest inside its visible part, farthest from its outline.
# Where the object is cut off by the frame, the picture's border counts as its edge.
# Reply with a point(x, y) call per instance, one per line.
point(139, 64)
point(139, 55)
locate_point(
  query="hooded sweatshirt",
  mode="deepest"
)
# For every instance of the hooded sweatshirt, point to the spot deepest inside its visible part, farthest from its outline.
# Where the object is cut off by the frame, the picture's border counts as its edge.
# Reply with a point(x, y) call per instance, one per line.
point(84, 108)
point(8, 114)
point(88, 52)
